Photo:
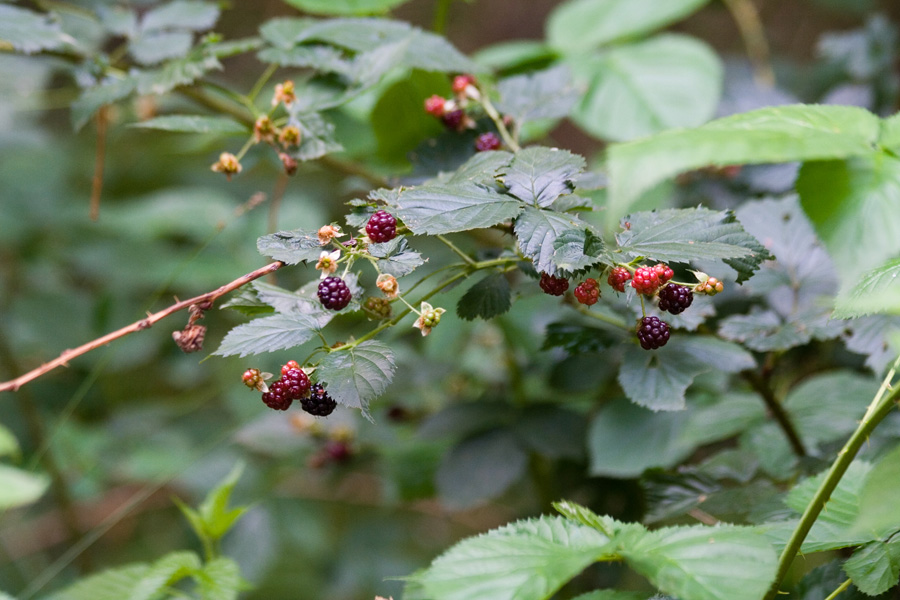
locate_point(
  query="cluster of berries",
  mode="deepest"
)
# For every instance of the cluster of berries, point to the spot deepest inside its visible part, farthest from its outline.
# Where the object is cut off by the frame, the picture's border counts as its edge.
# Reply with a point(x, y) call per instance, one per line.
point(293, 385)
point(452, 111)
point(651, 281)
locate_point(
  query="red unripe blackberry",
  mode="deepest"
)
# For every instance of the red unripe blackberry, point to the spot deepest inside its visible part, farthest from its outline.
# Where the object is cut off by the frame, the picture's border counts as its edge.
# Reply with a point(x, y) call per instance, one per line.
point(251, 378)
point(319, 403)
point(333, 293)
point(646, 281)
point(291, 364)
point(435, 106)
point(278, 396)
point(454, 119)
point(382, 227)
point(664, 272)
point(675, 298)
point(588, 292)
point(461, 82)
point(652, 333)
point(338, 451)
point(487, 141)
point(296, 382)
point(555, 286)
point(617, 278)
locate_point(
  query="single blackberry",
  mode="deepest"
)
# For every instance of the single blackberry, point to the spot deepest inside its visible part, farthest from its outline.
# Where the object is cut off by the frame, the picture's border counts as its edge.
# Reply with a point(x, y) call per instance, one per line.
point(487, 141)
point(664, 272)
point(454, 119)
point(675, 298)
point(588, 292)
point(382, 227)
point(646, 281)
point(617, 278)
point(333, 293)
point(319, 403)
point(296, 383)
point(652, 333)
point(251, 378)
point(278, 396)
point(378, 308)
point(435, 106)
point(555, 286)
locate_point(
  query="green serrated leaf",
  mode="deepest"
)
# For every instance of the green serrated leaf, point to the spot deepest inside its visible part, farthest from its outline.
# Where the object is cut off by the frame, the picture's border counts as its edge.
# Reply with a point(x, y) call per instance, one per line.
point(396, 257)
point(317, 137)
point(445, 208)
point(359, 374)
point(291, 247)
point(30, 32)
point(579, 26)
point(181, 71)
point(166, 571)
point(537, 231)
point(658, 380)
point(479, 169)
point(182, 14)
point(18, 487)
point(268, 334)
point(705, 563)
point(547, 94)
point(577, 249)
point(842, 508)
point(526, 559)
point(153, 47)
point(539, 175)
point(112, 584)
point(479, 469)
point(685, 235)
point(220, 579)
point(876, 292)
point(192, 124)
point(646, 87)
point(855, 207)
point(875, 568)
point(879, 496)
point(325, 59)
point(486, 299)
point(764, 330)
point(768, 135)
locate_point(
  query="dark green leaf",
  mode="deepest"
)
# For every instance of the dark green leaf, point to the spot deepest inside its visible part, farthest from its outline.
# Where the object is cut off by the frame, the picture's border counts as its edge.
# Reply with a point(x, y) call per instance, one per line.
point(539, 175)
point(547, 94)
point(827, 407)
point(869, 336)
point(304, 301)
point(192, 124)
point(479, 469)
point(441, 208)
point(879, 497)
point(325, 59)
point(220, 579)
point(153, 47)
point(486, 299)
point(577, 249)
point(875, 568)
point(646, 87)
point(112, 584)
point(290, 247)
point(30, 32)
point(537, 231)
point(526, 559)
point(92, 98)
point(182, 14)
point(553, 432)
point(579, 26)
point(513, 54)
point(358, 375)
point(268, 334)
point(166, 571)
point(480, 168)
point(768, 135)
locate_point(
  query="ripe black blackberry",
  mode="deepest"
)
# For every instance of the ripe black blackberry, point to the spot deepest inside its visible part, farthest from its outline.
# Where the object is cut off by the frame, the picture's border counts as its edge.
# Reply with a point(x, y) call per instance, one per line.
point(319, 403)
point(382, 227)
point(296, 383)
point(652, 333)
point(333, 293)
point(675, 298)
point(278, 397)
point(555, 286)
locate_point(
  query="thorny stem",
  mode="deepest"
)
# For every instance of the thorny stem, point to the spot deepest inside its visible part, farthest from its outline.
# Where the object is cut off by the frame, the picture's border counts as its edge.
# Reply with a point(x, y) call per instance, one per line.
point(880, 407)
point(839, 589)
point(760, 385)
point(207, 298)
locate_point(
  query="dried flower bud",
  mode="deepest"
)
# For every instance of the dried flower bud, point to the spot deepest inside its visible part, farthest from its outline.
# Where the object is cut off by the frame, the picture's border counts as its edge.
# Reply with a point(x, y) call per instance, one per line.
point(264, 130)
point(388, 284)
point(284, 92)
point(288, 162)
point(328, 232)
point(289, 136)
point(228, 164)
point(190, 339)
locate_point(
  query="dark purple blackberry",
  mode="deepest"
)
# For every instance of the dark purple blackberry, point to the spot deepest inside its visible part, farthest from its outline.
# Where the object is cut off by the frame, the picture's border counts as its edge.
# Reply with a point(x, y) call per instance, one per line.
point(652, 333)
point(555, 286)
point(296, 383)
point(675, 298)
point(487, 141)
point(278, 396)
point(454, 119)
point(333, 293)
point(382, 227)
point(319, 403)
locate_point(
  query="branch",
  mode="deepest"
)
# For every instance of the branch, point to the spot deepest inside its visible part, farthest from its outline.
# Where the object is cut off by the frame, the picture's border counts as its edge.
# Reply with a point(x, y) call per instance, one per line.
point(750, 26)
point(203, 302)
point(760, 384)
